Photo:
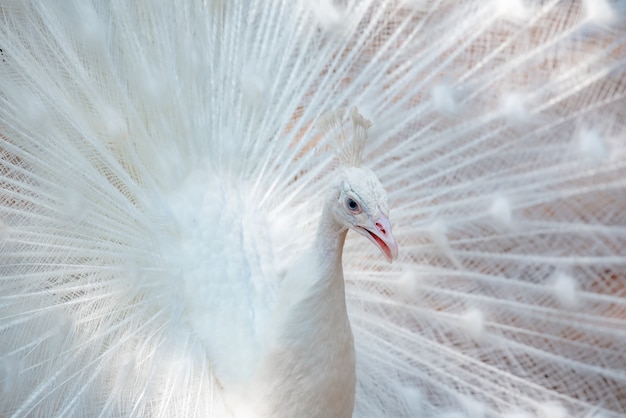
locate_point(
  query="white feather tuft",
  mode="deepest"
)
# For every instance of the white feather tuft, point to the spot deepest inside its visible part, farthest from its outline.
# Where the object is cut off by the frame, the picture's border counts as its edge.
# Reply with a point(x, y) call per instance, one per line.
point(111, 124)
point(599, 12)
point(552, 410)
point(514, 110)
point(444, 100)
point(348, 135)
point(501, 211)
point(409, 283)
point(592, 147)
point(514, 10)
point(565, 290)
point(329, 15)
point(473, 323)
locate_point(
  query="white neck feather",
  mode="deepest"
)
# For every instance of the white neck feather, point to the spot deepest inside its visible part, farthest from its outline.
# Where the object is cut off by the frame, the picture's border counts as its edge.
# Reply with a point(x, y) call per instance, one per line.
point(310, 367)
point(328, 247)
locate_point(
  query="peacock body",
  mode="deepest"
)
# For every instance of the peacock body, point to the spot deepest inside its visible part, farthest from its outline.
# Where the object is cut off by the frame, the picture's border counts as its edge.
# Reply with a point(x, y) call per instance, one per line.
point(167, 174)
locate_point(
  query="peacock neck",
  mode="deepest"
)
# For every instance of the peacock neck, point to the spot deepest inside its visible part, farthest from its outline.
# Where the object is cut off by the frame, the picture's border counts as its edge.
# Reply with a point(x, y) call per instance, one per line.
point(328, 247)
point(310, 366)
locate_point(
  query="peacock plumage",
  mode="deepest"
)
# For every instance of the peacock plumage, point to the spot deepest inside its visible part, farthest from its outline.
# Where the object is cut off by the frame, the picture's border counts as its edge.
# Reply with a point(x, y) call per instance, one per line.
point(167, 167)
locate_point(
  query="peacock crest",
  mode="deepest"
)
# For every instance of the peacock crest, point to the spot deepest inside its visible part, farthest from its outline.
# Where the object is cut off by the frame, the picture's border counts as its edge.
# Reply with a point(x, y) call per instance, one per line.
point(348, 133)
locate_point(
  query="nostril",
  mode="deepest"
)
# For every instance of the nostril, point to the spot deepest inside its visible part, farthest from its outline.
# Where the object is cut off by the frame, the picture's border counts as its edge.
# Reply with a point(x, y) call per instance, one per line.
point(380, 227)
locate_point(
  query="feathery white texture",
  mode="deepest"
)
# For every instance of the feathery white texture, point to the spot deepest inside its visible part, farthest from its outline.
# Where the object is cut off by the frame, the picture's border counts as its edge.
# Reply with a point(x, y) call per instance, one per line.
point(348, 135)
point(509, 210)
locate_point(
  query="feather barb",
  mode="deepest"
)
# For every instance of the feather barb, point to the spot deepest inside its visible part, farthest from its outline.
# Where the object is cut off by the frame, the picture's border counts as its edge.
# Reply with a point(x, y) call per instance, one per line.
point(349, 138)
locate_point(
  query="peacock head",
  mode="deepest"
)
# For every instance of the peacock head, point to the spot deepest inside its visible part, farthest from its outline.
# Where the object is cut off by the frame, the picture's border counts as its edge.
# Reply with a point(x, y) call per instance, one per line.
point(361, 205)
point(358, 200)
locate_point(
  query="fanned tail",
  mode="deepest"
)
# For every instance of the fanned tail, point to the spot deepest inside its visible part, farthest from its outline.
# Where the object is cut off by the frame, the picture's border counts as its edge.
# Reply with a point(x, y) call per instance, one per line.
point(498, 129)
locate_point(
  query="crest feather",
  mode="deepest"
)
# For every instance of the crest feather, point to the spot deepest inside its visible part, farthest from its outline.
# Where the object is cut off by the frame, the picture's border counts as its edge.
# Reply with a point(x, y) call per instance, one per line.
point(349, 137)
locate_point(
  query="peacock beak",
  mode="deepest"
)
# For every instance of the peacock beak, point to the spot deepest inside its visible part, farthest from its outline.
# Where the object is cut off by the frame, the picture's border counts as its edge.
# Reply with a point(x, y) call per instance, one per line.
point(380, 234)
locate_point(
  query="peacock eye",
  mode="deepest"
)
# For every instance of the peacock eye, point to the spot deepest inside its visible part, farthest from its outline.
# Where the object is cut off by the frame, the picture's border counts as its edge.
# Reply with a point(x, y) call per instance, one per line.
point(352, 205)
